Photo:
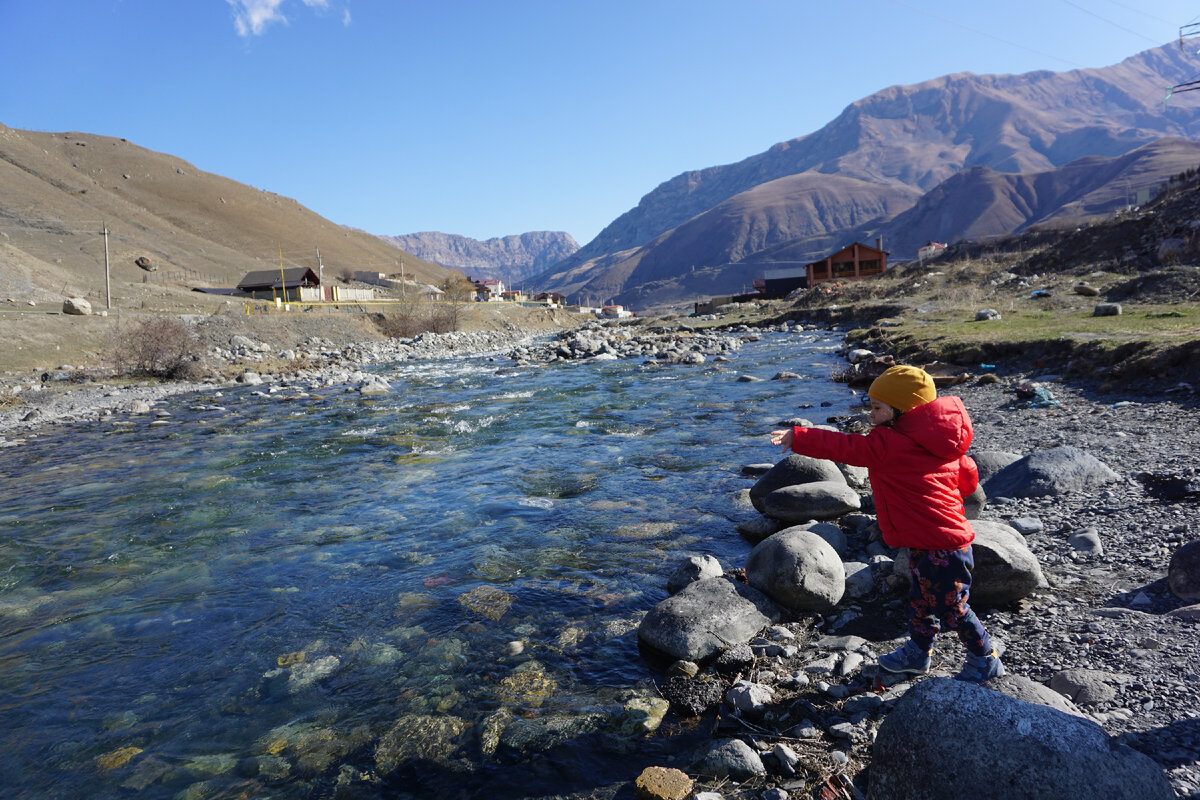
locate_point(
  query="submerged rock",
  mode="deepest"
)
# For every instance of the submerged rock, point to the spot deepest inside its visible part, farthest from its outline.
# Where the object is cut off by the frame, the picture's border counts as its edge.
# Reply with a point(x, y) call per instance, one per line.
point(705, 617)
point(418, 737)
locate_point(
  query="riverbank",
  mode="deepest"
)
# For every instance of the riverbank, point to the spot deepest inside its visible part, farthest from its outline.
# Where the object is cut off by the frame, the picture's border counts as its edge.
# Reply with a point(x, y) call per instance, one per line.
point(61, 398)
point(287, 352)
point(1106, 630)
point(1107, 328)
point(56, 372)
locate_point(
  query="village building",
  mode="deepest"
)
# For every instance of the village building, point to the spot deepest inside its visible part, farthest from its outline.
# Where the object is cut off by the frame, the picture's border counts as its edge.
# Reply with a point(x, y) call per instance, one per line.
point(781, 282)
point(930, 249)
point(551, 298)
point(851, 263)
point(489, 290)
point(298, 285)
point(284, 284)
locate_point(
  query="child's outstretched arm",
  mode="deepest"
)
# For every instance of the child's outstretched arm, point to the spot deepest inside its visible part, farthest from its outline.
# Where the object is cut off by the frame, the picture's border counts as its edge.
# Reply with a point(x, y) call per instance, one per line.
point(782, 438)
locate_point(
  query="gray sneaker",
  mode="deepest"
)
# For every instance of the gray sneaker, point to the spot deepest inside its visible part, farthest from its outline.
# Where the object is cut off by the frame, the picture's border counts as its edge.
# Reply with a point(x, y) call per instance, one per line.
point(980, 669)
point(908, 657)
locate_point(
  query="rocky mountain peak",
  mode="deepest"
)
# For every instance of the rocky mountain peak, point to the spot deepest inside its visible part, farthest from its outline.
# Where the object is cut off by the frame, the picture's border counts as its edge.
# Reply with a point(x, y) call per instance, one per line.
point(510, 258)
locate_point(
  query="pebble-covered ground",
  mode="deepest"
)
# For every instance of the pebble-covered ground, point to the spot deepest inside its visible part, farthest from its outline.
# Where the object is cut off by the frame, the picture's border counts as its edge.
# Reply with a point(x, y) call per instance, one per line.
point(1104, 613)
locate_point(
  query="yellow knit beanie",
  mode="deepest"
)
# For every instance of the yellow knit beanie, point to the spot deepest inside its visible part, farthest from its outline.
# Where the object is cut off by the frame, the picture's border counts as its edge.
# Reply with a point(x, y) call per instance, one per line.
point(903, 387)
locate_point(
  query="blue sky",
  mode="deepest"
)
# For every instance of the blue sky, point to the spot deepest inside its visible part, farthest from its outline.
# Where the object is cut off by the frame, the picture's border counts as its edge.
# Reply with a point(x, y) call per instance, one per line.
point(494, 117)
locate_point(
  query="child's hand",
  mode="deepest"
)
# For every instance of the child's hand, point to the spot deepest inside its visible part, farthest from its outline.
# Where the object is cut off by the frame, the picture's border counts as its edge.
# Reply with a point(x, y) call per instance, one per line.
point(782, 438)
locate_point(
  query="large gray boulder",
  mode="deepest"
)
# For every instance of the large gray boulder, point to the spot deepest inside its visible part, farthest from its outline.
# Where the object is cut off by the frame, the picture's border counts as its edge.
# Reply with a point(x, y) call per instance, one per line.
point(827, 531)
point(705, 617)
point(759, 527)
point(76, 306)
point(974, 503)
point(989, 462)
point(981, 743)
point(857, 477)
point(1005, 568)
point(1087, 686)
point(797, 569)
point(1061, 470)
point(1183, 573)
point(808, 501)
point(1026, 690)
point(692, 569)
point(792, 470)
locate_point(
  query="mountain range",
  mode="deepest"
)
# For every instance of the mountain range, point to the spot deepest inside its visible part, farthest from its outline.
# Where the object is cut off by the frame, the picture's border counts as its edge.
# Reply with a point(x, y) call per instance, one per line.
point(956, 157)
point(508, 258)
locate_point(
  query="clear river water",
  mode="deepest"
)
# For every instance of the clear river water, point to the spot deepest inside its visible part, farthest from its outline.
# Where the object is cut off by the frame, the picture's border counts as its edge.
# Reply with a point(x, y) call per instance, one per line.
point(429, 593)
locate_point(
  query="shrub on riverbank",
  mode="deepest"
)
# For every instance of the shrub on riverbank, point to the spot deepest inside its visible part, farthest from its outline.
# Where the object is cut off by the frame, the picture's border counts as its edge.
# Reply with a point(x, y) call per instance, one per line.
point(156, 347)
point(406, 325)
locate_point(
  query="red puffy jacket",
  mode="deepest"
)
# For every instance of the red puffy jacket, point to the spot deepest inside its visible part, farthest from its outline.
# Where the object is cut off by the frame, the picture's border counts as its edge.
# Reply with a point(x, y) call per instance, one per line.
point(919, 469)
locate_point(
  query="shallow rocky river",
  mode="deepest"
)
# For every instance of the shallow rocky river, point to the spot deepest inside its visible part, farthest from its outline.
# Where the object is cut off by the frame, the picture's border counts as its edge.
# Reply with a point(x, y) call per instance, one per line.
point(416, 593)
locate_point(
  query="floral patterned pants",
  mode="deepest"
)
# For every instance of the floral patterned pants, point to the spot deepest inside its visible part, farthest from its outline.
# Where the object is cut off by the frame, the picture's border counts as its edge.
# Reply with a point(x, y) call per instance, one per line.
point(937, 596)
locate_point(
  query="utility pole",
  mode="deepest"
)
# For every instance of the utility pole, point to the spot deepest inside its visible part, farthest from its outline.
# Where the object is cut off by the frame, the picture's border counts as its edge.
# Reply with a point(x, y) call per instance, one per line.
point(320, 269)
point(107, 279)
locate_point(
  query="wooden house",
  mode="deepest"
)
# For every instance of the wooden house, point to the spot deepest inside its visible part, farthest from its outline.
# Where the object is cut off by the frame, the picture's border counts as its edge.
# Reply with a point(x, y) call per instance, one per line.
point(285, 284)
point(851, 263)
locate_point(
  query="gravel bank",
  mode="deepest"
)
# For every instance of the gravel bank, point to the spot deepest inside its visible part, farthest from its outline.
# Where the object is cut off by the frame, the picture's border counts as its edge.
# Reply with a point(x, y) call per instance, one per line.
point(65, 396)
point(1100, 633)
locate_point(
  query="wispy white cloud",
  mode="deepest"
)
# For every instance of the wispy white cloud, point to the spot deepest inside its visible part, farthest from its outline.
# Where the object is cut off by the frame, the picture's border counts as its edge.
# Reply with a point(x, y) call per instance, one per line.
point(252, 17)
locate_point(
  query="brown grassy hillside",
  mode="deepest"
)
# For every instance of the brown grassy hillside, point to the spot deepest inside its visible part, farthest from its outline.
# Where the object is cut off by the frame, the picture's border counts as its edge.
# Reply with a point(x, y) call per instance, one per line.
point(58, 190)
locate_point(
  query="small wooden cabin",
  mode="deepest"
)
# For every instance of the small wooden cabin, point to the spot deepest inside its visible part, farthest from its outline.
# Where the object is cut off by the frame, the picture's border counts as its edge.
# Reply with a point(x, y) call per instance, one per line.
point(851, 263)
point(282, 283)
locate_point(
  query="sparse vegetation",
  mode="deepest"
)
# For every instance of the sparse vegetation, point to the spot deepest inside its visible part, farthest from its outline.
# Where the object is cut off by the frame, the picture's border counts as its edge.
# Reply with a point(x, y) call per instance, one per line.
point(423, 318)
point(156, 347)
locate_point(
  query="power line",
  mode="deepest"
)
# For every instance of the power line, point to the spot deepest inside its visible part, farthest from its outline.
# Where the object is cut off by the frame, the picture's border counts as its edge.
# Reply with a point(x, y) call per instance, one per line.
point(1110, 22)
point(1143, 12)
point(988, 35)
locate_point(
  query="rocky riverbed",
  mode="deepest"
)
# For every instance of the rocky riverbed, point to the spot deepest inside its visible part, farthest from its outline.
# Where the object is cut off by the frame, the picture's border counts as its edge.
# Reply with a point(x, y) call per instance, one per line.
point(1105, 630)
point(803, 706)
point(66, 395)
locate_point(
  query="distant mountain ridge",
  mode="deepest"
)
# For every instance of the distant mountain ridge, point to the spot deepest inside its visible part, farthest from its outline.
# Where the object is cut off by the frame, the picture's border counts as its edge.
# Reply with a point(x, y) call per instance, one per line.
point(981, 202)
point(511, 258)
point(892, 147)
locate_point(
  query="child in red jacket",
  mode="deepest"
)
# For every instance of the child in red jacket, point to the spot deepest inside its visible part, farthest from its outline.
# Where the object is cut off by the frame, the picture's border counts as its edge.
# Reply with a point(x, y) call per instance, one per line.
point(916, 457)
